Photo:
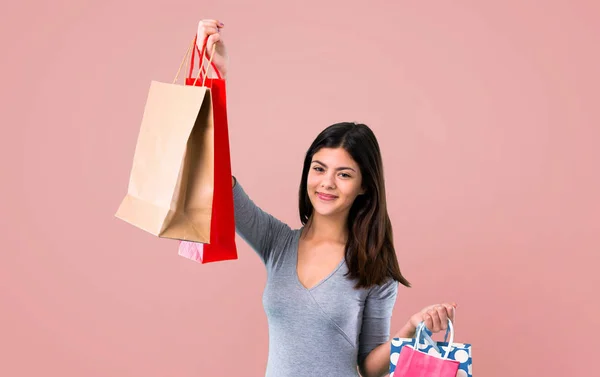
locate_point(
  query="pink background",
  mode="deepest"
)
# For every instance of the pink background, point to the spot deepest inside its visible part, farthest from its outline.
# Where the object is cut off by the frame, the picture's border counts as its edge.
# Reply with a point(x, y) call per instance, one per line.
point(487, 115)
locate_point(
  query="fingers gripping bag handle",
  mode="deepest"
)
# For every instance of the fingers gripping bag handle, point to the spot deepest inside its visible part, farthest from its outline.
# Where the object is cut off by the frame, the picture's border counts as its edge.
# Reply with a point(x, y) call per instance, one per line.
point(194, 48)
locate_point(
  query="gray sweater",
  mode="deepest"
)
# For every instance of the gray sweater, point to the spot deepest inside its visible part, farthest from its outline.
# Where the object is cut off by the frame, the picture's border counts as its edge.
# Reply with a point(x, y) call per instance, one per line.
point(323, 331)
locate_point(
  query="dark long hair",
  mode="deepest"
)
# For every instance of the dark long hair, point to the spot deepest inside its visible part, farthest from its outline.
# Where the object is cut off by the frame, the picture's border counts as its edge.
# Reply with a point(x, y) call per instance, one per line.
point(370, 253)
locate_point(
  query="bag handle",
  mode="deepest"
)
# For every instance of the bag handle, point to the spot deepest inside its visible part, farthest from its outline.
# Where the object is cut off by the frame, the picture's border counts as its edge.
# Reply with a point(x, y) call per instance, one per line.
point(430, 341)
point(450, 330)
point(202, 55)
point(187, 53)
point(427, 339)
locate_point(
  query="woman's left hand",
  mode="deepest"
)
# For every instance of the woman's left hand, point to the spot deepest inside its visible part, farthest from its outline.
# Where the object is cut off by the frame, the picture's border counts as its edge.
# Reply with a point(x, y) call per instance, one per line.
point(434, 316)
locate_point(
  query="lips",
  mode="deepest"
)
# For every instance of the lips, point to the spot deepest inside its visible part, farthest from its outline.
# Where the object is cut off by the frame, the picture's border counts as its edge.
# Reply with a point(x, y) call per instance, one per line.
point(326, 196)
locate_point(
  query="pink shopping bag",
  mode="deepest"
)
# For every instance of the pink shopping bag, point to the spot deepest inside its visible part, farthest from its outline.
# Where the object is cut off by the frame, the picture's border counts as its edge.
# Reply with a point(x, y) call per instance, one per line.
point(415, 363)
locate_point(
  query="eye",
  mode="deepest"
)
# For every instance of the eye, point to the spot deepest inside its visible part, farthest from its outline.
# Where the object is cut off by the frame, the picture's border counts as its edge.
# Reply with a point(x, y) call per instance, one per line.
point(345, 175)
point(318, 168)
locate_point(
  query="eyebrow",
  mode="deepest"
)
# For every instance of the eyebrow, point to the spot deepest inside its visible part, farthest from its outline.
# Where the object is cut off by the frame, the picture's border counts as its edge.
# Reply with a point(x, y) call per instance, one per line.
point(338, 169)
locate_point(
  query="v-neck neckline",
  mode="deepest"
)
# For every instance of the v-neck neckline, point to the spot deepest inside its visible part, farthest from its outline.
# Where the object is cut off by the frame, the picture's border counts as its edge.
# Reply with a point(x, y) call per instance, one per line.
point(320, 282)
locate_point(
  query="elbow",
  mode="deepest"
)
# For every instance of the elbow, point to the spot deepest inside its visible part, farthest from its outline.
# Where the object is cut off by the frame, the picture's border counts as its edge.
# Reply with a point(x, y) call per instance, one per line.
point(365, 373)
point(368, 367)
point(363, 368)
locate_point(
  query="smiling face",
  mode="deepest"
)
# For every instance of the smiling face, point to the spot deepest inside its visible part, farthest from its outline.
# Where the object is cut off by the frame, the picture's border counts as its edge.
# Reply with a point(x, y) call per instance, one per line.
point(334, 181)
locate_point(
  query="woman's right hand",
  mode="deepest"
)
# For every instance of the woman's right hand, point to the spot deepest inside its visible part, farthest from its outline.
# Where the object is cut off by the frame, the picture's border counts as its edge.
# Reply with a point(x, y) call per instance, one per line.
point(211, 29)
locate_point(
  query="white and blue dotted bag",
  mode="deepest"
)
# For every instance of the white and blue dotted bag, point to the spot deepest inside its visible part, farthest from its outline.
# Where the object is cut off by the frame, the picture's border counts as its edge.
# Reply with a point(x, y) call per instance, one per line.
point(460, 352)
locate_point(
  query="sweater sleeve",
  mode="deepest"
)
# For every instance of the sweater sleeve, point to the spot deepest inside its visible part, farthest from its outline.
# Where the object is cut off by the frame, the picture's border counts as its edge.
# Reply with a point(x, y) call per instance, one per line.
point(257, 227)
point(377, 317)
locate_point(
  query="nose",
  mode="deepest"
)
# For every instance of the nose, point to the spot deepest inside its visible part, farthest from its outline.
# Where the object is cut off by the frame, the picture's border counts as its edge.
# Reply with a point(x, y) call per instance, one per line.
point(328, 181)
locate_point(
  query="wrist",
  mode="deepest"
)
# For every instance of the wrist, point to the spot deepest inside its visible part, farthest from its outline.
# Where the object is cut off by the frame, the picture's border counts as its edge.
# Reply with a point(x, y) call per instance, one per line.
point(407, 331)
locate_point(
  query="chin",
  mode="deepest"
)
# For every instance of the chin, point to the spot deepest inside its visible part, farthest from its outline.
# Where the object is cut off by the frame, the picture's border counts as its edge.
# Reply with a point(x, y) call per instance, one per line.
point(324, 209)
point(323, 212)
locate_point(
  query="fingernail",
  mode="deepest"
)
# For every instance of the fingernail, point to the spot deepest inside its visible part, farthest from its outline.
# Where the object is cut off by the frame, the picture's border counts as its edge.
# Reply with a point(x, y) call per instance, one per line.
point(222, 24)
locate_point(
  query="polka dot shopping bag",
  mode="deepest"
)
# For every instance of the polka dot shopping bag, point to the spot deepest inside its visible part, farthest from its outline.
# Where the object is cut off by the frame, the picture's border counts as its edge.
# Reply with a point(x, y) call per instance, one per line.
point(425, 357)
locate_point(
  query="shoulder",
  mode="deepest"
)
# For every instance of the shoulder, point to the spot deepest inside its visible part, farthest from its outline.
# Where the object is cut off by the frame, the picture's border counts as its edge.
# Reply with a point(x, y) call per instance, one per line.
point(387, 290)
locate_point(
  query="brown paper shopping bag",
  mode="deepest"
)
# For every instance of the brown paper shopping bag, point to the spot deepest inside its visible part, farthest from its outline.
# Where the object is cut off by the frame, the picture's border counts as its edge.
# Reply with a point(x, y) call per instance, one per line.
point(170, 192)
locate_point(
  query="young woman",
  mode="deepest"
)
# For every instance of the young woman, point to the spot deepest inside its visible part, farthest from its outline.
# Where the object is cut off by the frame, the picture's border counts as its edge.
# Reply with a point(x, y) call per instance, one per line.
point(331, 284)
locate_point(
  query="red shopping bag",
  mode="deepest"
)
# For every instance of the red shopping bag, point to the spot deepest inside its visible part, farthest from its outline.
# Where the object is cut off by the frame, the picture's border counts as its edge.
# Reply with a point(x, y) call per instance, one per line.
point(415, 363)
point(222, 235)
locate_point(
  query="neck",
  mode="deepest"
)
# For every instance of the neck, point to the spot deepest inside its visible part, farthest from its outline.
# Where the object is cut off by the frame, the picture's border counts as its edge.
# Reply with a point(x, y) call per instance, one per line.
point(327, 228)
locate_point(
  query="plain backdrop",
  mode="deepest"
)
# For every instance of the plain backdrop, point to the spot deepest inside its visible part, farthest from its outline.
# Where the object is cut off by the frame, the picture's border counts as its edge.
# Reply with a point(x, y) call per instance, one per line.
point(486, 112)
